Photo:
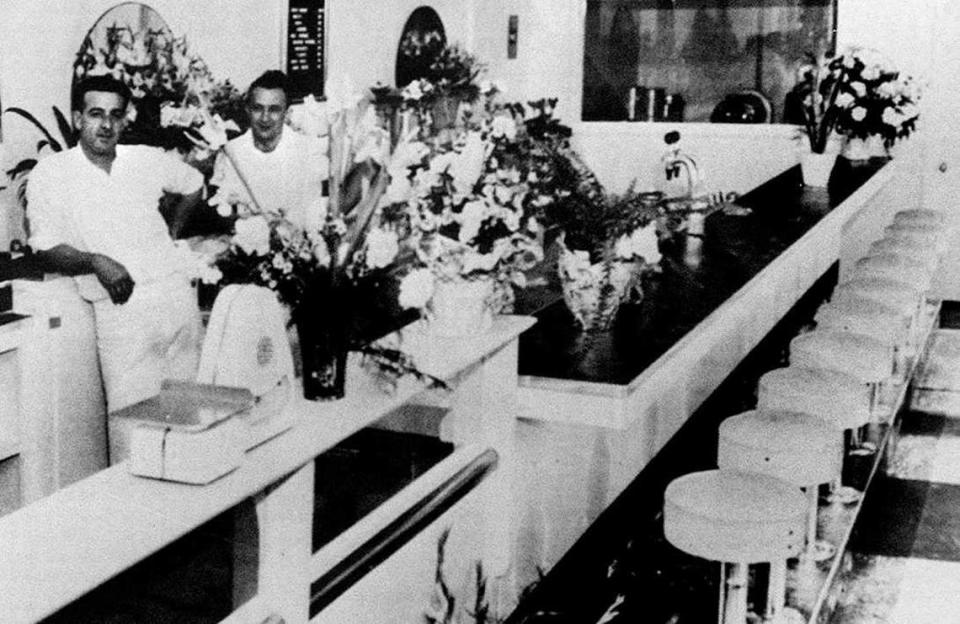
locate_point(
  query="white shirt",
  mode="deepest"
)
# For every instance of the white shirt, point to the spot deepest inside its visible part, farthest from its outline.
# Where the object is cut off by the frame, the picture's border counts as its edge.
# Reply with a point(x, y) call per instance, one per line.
point(71, 201)
point(287, 180)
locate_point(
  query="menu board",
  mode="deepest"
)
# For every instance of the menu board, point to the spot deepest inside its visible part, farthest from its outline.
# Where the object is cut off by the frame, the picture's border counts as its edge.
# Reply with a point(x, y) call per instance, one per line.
point(306, 26)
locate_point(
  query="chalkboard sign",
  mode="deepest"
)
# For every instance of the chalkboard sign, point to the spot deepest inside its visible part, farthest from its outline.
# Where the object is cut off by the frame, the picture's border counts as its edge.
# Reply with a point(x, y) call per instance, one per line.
point(306, 33)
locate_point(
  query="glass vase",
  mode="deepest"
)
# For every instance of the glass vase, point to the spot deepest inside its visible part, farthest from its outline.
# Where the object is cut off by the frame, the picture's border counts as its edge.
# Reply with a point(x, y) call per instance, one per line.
point(594, 296)
point(324, 339)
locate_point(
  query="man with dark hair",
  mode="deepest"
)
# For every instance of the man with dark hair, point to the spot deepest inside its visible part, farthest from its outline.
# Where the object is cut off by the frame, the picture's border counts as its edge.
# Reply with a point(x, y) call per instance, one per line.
point(283, 170)
point(94, 213)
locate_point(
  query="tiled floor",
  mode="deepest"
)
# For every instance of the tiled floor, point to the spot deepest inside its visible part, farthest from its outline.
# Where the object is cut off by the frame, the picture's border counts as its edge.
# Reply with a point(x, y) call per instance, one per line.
point(906, 543)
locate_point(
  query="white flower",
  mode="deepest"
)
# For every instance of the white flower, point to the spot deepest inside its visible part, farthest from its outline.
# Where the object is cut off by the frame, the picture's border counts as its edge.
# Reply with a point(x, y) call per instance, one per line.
point(646, 244)
point(624, 247)
point(473, 261)
point(859, 88)
point(858, 113)
point(891, 117)
point(871, 72)
point(252, 235)
point(849, 61)
point(466, 167)
point(504, 126)
point(412, 91)
point(310, 117)
point(416, 288)
point(844, 100)
point(382, 248)
point(471, 217)
point(212, 131)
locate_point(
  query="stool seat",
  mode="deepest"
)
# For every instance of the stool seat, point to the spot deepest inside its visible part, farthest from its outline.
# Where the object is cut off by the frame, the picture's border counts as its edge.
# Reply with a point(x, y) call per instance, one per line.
point(866, 358)
point(734, 516)
point(920, 215)
point(925, 233)
point(839, 398)
point(860, 315)
point(925, 254)
point(795, 447)
point(894, 266)
point(899, 294)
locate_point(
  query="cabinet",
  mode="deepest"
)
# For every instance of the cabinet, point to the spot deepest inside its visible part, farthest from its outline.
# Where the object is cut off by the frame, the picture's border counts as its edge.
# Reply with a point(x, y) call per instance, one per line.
point(25, 408)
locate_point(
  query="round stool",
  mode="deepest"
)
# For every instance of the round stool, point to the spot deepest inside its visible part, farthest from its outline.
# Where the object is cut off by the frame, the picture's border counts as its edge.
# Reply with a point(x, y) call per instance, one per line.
point(735, 518)
point(920, 215)
point(798, 448)
point(871, 318)
point(898, 294)
point(896, 267)
point(839, 398)
point(925, 254)
point(866, 358)
point(931, 234)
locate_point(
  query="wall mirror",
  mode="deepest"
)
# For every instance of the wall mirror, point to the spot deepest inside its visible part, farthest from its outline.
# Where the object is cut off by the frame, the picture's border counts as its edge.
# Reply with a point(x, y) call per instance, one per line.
point(133, 43)
point(678, 60)
point(422, 38)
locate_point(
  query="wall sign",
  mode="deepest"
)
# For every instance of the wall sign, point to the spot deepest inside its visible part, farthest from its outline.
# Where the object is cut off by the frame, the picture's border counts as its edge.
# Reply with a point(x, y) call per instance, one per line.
point(306, 43)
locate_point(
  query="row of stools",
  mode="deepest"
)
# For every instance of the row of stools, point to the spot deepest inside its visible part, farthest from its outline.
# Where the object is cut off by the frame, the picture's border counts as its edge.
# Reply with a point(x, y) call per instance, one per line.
point(760, 505)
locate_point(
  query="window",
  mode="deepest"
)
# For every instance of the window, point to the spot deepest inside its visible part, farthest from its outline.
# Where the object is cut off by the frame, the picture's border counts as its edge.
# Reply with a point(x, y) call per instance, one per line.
point(679, 59)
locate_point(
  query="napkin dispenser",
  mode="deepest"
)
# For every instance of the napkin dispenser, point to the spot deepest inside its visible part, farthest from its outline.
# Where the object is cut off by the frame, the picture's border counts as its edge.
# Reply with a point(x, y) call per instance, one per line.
point(190, 432)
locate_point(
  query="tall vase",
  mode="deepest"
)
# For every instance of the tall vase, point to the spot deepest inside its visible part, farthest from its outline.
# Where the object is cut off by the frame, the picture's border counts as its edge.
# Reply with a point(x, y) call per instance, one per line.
point(856, 149)
point(816, 168)
point(321, 320)
point(461, 307)
point(594, 293)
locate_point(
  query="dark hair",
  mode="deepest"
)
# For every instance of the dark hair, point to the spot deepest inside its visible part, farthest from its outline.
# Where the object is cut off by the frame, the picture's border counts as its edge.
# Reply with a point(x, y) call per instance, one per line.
point(105, 83)
point(270, 79)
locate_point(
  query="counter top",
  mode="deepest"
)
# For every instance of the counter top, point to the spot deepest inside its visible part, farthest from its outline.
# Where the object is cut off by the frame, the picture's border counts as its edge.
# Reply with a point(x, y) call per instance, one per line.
point(697, 276)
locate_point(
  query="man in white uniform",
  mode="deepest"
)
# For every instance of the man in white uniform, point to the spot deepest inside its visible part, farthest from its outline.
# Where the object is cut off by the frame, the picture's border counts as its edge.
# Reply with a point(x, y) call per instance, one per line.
point(93, 213)
point(283, 168)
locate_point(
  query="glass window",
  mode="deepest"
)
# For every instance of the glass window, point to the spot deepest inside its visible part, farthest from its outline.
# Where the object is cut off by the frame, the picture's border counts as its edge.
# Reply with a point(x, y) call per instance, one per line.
point(693, 60)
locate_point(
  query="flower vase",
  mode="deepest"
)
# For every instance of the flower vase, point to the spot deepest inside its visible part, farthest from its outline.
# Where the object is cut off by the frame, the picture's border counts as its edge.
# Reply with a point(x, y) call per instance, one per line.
point(594, 292)
point(816, 168)
point(856, 150)
point(323, 336)
point(445, 111)
point(876, 147)
point(461, 307)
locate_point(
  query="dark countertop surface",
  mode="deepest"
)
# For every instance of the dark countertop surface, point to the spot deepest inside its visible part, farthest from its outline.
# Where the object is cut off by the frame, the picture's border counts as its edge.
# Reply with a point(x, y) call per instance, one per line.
point(691, 284)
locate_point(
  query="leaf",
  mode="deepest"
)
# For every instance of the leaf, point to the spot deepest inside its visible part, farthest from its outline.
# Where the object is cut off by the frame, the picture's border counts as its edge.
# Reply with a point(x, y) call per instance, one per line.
point(66, 128)
point(23, 166)
point(54, 144)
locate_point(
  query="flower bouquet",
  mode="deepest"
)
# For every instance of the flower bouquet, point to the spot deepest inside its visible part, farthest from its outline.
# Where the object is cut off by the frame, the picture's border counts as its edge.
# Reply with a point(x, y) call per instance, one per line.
point(469, 197)
point(823, 80)
point(606, 243)
point(878, 105)
point(449, 82)
point(317, 270)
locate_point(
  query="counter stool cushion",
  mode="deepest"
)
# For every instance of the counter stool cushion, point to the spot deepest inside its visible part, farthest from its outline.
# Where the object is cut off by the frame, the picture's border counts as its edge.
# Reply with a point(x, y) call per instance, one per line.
point(866, 358)
point(798, 448)
point(865, 316)
point(902, 296)
point(925, 254)
point(920, 215)
point(735, 517)
point(894, 266)
point(840, 399)
point(925, 233)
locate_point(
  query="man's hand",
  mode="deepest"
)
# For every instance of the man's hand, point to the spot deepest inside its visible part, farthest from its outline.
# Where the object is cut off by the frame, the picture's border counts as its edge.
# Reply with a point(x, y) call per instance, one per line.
point(113, 276)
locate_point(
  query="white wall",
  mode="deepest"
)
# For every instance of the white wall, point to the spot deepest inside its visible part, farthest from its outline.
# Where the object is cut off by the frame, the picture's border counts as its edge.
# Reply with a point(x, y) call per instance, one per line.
point(40, 38)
